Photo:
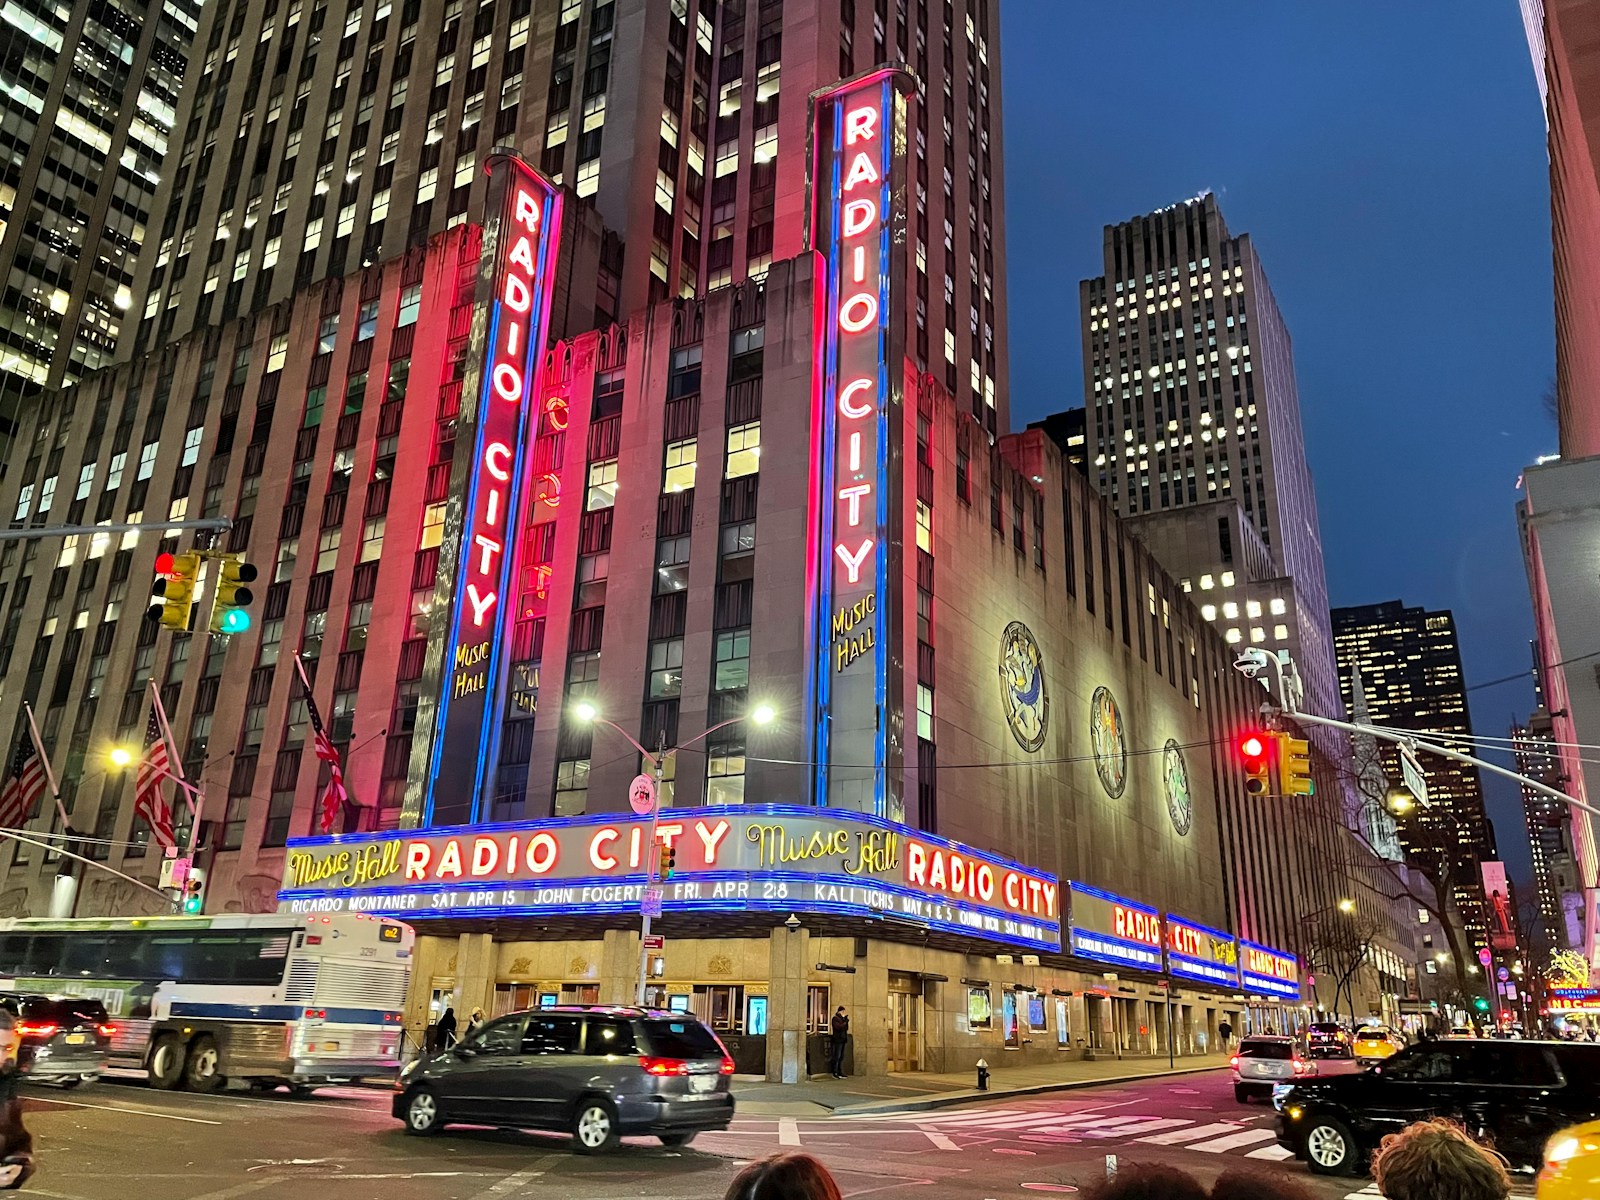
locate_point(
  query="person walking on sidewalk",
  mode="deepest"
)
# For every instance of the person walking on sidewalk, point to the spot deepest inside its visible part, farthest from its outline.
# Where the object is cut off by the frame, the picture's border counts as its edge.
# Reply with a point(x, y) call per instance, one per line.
point(841, 1036)
point(1226, 1030)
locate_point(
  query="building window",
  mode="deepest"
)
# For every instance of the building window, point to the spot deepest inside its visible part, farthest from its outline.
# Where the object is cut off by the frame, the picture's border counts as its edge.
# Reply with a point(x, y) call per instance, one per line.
point(744, 450)
point(732, 666)
point(316, 398)
point(738, 552)
point(725, 774)
point(410, 306)
point(277, 353)
point(583, 674)
point(572, 786)
point(924, 527)
point(666, 668)
point(328, 550)
point(1278, 607)
point(684, 378)
point(1280, 633)
point(593, 569)
point(432, 526)
point(367, 321)
point(924, 712)
point(372, 539)
point(680, 466)
point(280, 810)
point(672, 565)
point(602, 485)
point(328, 334)
point(191, 446)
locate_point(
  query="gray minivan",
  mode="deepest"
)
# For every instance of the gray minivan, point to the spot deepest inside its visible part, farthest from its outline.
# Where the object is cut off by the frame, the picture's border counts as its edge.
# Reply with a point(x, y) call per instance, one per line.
point(594, 1071)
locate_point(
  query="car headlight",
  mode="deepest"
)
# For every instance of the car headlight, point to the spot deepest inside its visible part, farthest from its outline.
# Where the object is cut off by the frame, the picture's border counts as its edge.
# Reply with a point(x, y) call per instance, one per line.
point(1561, 1148)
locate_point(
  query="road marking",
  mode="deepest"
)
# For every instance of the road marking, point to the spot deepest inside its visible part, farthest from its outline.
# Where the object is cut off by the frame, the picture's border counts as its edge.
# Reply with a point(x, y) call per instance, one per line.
point(138, 1112)
point(1247, 1137)
point(788, 1131)
point(1275, 1153)
point(1139, 1125)
point(1193, 1133)
point(240, 1189)
point(939, 1140)
point(511, 1185)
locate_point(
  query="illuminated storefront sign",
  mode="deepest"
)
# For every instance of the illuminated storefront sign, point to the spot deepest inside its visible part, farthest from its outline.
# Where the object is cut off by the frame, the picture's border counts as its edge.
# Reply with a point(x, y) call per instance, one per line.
point(728, 859)
point(1196, 952)
point(1269, 972)
point(1112, 929)
point(858, 227)
point(1572, 1000)
point(466, 666)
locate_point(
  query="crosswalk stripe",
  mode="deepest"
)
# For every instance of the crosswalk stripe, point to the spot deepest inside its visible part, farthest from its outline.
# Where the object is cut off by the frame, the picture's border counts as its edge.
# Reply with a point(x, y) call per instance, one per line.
point(1247, 1137)
point(1192, 1133)
point(1275, 1153)
point(1149, 1125)
point(939, 1140)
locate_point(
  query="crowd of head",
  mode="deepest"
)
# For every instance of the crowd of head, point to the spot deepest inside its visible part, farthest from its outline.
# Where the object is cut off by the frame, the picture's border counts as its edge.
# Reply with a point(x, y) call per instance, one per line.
point(1431, 1160)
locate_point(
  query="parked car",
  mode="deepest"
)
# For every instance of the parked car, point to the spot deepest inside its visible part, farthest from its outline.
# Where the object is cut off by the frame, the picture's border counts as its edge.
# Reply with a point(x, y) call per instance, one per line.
point(62, 1039)
point(1263, 1061)
point(1572, 1164)
point(1377, 1042)
point(1513, 1094)
point(1463, 1031)
point(597, 1072)
point(1326, 1033)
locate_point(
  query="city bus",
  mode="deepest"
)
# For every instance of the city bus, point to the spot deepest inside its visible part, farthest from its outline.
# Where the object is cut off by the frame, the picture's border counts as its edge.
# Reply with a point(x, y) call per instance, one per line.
point(296, 1000)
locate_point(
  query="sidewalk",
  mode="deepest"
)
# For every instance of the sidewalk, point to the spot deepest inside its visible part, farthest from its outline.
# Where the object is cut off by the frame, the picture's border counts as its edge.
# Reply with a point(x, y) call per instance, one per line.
point(920, 1092)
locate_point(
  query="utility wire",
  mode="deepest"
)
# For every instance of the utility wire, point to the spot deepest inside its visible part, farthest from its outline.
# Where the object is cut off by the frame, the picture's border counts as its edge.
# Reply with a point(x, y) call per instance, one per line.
point(1524, 674)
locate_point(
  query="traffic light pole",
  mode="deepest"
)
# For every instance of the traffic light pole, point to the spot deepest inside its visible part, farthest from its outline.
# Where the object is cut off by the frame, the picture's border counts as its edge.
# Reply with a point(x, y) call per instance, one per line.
point(658, 762)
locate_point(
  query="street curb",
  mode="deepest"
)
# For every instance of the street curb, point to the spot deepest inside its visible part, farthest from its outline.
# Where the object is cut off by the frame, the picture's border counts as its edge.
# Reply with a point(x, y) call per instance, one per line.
point(949, 1099)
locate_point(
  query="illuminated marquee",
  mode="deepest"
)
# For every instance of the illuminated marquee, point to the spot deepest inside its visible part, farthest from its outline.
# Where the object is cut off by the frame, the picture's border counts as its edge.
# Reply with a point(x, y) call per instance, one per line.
point(1196, 952)
point(1269, 972)
point(767, 858)
point(477, 568)
point(857, 226)
point(1108, 928)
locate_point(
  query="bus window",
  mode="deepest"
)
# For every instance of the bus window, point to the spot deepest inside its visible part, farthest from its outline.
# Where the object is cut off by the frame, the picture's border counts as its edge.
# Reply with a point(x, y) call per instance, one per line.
point(84, 957)
point(14, 953)
point(44, 956)
point(167, 957)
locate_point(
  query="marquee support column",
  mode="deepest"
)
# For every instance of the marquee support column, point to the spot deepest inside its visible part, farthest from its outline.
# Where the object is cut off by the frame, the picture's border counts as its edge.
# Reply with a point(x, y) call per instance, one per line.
point(789, 977)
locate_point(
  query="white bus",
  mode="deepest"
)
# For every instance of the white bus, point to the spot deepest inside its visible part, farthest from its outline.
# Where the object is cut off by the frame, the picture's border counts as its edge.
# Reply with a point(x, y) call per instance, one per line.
point(276, 999)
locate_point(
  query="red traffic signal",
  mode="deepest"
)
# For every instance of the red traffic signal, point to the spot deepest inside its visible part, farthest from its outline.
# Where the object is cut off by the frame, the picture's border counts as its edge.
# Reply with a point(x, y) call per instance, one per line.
point(1251, 746)
point(1254, 750)
point(165, 564)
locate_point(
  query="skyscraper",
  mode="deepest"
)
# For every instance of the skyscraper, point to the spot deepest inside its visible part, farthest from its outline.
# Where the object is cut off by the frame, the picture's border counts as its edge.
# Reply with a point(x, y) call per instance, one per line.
point(358, 133)
point(1549, 825)
point(88, 93)
point(1409, 661)
point(1194, 432)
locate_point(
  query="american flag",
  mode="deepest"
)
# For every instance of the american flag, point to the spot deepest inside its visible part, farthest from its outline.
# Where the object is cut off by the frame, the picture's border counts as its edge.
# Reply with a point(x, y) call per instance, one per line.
point(333, 796)
point(24, 784)
point(148, 800)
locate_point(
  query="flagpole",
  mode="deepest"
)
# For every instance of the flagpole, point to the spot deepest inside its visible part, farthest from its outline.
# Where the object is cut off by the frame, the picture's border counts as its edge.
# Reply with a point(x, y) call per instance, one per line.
point(193, 795)
point(49, 771)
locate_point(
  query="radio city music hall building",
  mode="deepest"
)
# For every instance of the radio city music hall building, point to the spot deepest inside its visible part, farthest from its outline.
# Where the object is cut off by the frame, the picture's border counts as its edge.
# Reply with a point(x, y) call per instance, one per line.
point(997, 800)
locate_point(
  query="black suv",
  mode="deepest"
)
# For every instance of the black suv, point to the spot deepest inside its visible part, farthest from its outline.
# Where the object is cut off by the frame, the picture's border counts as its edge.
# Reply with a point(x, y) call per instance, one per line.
point(63, 1039)
point(596, 1072)
point(1513, 1095)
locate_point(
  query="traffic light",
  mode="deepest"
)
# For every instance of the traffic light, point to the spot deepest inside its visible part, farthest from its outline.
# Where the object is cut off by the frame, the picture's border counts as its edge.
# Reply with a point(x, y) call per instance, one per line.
point(194, 892)
point(228, 613)
point(1254, 750)
point(177, 575)
point(667, 861)
point(1294, 766)
point(1480, 1003)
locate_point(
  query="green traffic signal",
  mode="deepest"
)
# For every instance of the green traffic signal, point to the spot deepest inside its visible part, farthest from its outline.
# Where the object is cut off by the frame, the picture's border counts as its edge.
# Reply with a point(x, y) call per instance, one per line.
point(236, 621)
point(1479, 1003)
point(191, 904)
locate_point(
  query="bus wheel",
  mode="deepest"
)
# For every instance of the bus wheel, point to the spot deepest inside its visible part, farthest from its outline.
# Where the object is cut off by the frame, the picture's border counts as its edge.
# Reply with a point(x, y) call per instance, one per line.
point(201, 1072)
point(166, 1062)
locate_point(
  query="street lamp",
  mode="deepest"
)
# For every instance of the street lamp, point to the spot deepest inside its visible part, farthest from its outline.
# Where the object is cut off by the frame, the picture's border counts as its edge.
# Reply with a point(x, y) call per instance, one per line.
point(587, 712)
point(120, 756)
point(1347, 906)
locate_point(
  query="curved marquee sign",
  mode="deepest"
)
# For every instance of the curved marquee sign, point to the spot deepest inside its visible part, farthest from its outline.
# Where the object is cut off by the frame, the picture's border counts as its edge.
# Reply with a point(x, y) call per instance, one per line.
point(745, 857)
point(1113, 929)
point(1197, 952)
point(1269, 972)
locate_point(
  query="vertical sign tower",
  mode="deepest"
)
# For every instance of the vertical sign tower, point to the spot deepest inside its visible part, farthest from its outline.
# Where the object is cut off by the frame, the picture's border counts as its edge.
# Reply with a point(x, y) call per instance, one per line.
point(858, 220)
point(463, 678)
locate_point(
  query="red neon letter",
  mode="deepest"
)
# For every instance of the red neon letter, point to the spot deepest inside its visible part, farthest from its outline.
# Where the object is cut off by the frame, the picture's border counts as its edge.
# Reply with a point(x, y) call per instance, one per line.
point(858, 312)
point(542, 853)
point(495, 457)
point(522, 253)
point(859, 215)
point(1013, 890)
point(860, 124)
point(916, 863)
point(449, 861)
point(852, 496)
point(490, 548)
point(711, 837)
point(597, 856)
point(850, 407)
point(526, 209)
point(481, 603)
point(508, 382)
point(517, 296)
point(861, 171)
point(485, 856)
point(852, 562)
point(417, 856)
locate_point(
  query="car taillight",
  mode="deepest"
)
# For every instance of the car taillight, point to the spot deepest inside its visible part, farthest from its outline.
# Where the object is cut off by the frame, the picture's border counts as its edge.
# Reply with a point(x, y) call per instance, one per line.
point(727, 1066)
point(663, 1066)
point(1234, 1061)
point(37, 1029)
point(107, 1030)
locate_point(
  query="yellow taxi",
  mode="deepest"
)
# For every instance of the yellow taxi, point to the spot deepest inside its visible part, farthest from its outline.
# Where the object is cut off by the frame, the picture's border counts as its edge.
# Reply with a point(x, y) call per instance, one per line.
point(1572, 1164)
point(1375, 1042)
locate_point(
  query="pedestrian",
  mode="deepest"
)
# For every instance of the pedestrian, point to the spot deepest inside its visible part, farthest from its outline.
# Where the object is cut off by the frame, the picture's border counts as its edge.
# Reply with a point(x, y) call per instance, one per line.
point(1254, 1185)
point(841, 1036)
point(16, 1143)
point(784, 1177)
point(1226, 1030)
point(475, 1021)
point(1147, 1181)
point(444, 1033)
point(1436, 1160)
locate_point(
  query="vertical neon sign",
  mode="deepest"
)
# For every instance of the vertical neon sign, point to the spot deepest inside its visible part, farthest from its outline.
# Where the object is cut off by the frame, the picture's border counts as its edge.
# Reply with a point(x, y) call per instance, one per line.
point(464, 673)
point(858, 228)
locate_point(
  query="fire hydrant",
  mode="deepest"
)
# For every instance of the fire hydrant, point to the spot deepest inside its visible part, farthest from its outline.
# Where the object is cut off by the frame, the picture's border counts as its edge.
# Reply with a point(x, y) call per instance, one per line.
point(983, 1076)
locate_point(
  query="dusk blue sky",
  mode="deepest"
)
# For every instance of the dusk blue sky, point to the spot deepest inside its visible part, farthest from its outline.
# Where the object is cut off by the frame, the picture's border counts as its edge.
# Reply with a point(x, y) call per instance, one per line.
point(1389, 162)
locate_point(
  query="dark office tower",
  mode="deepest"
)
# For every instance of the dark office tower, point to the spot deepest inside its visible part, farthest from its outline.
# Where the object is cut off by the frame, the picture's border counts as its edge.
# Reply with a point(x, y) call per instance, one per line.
point(323, 136)
point(88, 90)
point(1410, 663)
point(1549, 824)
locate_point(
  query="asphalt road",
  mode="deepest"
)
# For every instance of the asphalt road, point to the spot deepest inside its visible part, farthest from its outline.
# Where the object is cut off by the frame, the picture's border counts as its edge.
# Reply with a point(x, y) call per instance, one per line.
point(117, 1141)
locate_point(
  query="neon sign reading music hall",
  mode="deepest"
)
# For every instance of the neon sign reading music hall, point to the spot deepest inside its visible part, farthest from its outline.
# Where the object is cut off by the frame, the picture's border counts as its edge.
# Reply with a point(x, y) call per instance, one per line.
point(857, 227)
point(519, 258)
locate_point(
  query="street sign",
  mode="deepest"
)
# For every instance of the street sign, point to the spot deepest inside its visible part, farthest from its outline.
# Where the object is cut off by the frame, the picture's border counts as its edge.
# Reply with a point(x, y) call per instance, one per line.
point(654, 941)
point(650, 906)
point(174, 871)
point(1485, 957)
point(1502, 974)
point(642, 795)
point(1411, 775)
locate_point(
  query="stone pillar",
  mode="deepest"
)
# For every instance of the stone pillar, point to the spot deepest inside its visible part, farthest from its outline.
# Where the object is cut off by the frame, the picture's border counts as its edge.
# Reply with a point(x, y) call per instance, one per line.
point(788, 976)
point(477, 962)
point(869, 1015)
point(619, 966)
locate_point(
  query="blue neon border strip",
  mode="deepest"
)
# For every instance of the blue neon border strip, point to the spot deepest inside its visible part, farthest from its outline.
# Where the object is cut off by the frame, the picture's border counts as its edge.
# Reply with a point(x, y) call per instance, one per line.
point(1202, 969)
point(1074, 885)
point(1267, 984)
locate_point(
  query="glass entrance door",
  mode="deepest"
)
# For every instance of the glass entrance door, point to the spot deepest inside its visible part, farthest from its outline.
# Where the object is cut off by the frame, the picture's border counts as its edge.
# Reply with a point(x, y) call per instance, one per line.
point(905, 1032)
